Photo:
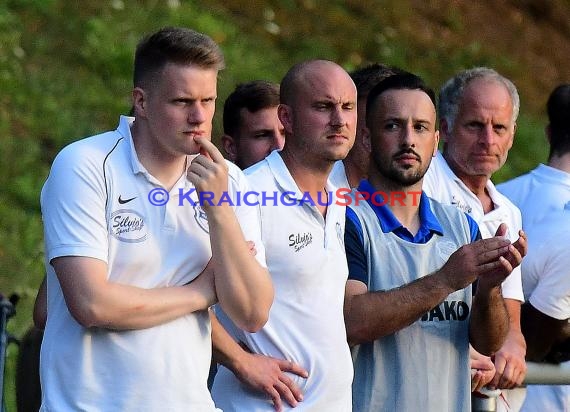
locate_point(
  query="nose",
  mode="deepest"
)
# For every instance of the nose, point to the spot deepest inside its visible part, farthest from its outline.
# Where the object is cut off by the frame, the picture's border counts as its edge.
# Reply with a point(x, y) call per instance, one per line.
point(196, 114)
point(278, 140)
point(407, 137)
point(487, 135)
point(337, 117)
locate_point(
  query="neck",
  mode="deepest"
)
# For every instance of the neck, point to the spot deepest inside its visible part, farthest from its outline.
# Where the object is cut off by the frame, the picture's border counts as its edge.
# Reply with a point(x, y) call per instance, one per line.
point(164, 166)
point(403, 201)
point(310, 176)
point(354, 172)
point(477, 184)
point(560, 162)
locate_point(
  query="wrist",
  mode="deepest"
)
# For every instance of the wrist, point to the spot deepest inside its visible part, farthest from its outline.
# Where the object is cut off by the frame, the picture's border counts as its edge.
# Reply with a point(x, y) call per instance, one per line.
point(238, 362)
point(218, 213)
point(488, 288)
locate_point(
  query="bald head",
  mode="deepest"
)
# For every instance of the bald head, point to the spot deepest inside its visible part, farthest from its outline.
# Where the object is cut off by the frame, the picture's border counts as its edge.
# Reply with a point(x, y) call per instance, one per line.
point(318, 111)
point(304, 75)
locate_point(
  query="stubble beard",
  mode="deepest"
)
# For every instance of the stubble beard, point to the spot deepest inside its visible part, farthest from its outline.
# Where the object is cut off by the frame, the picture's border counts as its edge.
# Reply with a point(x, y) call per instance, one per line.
point(402, 177)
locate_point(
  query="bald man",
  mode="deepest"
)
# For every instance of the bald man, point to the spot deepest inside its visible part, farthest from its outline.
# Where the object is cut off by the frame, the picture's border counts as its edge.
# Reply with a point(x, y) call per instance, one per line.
point(305, 256)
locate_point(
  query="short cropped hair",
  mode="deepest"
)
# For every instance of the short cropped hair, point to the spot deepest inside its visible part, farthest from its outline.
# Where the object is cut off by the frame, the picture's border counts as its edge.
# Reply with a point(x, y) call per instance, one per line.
point(451, 92)
point(558, 108)
point(365, 78)
point(174, 45)
point(402, 81)
point(290, 81)
point(253, 96)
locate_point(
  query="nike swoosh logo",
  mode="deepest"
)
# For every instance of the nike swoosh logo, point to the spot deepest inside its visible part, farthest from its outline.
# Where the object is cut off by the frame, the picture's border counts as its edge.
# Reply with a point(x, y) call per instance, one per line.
point(123, 201)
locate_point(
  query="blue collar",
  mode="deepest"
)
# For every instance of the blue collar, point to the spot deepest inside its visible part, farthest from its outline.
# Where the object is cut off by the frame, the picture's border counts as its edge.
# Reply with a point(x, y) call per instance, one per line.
point(389, 223)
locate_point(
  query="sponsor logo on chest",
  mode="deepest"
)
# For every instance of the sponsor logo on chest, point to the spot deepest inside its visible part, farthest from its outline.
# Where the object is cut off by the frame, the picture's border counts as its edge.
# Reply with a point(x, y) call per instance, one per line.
point(460, 204)
point(128, 225)
point(300, 240)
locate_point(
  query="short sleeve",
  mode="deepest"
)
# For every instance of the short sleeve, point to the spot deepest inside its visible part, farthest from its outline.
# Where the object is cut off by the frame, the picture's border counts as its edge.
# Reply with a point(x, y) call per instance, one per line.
point(551, 295)
point(354, 246)
point(73, 205)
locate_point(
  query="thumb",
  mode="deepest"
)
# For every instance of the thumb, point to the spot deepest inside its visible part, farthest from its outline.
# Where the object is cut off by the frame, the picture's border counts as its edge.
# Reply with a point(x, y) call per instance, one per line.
point(501, 230)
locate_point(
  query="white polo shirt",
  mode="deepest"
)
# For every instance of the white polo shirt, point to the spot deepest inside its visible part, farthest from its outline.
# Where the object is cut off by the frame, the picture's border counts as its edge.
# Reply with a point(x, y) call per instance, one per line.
point(96, 203)
point(306, 259)
point(441, 184)
point(543, 190)
point(547, 287)
point(338, 176)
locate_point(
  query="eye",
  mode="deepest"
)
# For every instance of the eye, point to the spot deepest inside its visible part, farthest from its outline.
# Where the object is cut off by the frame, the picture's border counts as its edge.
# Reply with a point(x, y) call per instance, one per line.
point(262, 135)
point(390, 126)
point(181, 102)
point(500, 129)
point(474, 126)
point(421, 127)
point(321, 106)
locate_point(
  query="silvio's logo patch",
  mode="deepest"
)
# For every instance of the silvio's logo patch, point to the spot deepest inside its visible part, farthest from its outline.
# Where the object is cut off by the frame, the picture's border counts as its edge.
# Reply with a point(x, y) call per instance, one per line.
point(460, 204)
point(201, 218)
point(300, 240)
point(128, 225)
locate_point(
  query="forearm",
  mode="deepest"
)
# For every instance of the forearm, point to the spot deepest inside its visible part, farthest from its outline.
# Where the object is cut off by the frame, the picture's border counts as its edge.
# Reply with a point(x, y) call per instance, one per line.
point(489, 323)
point(96, 302)
point(244, 287)
point(515, 336)
point(372, 315)
point(226, 351)
point(127, 307)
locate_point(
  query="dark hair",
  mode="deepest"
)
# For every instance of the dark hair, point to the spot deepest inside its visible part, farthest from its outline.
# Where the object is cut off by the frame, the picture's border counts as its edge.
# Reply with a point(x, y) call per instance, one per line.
point(253, 96)
point(174, 45)
point(558, 108)
point(365, 78)
point(401, 81)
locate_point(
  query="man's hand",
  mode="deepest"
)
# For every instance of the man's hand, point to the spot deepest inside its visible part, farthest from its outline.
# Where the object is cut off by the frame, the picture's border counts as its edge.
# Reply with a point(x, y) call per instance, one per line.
point(509, 260)
point(209, 173)
point(482, 370)
point(510, 362)
point(471, 261)
point(522, 243)
point(267, 374)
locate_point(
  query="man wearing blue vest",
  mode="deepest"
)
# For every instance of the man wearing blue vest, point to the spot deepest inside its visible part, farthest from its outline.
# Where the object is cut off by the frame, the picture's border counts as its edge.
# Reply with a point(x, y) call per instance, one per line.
point(410, 309)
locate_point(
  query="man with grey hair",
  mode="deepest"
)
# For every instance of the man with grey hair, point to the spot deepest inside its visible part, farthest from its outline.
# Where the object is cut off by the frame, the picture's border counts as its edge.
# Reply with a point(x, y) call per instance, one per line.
point(478, 112)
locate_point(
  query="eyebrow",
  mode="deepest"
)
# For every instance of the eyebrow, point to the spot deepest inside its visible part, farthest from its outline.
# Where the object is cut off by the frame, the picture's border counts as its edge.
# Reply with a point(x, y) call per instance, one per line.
point(404, 119)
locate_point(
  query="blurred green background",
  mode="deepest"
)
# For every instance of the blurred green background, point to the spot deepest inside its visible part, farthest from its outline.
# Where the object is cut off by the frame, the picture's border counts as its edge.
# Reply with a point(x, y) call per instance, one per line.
point(65, 73)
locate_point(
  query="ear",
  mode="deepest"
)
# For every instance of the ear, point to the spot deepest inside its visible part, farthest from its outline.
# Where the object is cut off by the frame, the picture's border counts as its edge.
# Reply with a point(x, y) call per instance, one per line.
point(139, 102)
point(444, 130)
point(513, 136)
point(285, 114)
point(230, 147)
point(436, 145)
point(548, 133)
